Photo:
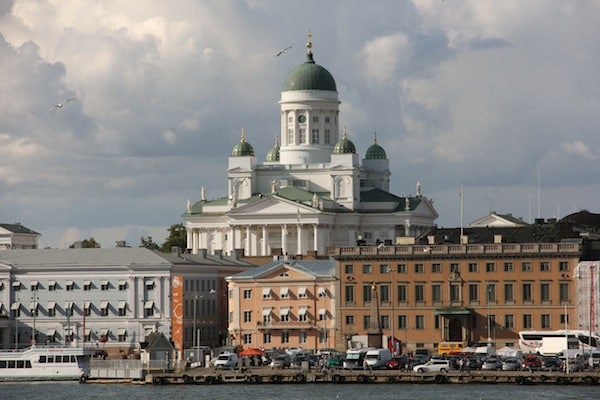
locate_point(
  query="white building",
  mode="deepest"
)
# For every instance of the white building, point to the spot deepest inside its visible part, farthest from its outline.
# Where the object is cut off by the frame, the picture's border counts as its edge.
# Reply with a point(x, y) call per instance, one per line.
point(311, 192)
point(110, 298)
point(17, 236)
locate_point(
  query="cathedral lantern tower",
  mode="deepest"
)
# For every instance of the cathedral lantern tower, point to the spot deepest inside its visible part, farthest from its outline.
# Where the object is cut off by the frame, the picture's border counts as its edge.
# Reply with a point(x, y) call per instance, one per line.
point(309, 113)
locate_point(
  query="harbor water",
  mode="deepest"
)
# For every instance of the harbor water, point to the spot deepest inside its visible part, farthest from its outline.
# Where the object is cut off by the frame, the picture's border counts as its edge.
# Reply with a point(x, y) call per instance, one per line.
point(73, 390)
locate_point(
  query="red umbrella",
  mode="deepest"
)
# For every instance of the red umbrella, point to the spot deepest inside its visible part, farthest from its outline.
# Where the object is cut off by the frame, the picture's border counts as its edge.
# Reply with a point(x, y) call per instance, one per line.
point(249, 352)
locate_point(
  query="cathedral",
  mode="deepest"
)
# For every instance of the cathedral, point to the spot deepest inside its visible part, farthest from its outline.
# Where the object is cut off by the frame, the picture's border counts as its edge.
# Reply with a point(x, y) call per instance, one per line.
point(311, 192)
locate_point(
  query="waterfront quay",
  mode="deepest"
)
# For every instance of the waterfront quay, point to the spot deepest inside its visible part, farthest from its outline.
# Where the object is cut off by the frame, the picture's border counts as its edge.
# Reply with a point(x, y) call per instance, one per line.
point(204, 376)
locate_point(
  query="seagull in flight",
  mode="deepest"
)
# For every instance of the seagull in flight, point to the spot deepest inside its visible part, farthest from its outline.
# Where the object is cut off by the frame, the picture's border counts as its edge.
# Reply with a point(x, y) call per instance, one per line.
point(283, 51)
point(62, 104)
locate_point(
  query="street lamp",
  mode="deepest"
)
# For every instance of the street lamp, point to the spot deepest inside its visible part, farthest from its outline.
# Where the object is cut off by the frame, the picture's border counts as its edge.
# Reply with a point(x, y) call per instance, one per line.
point(194, 333)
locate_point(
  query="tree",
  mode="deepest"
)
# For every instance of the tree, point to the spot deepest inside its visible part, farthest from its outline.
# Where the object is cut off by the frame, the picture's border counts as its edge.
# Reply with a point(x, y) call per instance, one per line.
point(148, 243)
point(85, 244)
point(177, 237)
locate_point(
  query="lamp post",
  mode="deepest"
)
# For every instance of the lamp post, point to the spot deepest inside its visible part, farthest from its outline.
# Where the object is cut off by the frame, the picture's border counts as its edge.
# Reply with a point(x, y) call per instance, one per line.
point(194, 333)
point(488, 293)
point(34, 313)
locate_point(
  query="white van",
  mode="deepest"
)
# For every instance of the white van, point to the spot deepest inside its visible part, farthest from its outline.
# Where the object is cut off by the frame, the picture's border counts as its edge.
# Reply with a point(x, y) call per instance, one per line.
point(594, 360)
point(226, 360)
point(378, 358)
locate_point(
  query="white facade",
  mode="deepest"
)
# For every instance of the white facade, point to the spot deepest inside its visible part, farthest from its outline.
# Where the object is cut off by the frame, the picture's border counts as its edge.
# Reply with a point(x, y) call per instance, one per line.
point(16, 236)
point(105, 297)
point(315, 194)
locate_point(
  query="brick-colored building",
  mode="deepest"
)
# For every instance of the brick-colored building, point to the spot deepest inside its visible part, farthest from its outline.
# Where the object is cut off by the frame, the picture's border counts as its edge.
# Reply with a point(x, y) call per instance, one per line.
point(484, 285)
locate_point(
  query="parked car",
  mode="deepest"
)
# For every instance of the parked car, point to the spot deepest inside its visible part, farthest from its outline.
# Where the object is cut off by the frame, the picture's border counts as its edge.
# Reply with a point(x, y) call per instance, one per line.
point(281, 361)
point(532, 362)
point(417, 359)
point(226, 360)
point(511, 364)
point(398, 362)
point(551, 363)
point(433, 365)
point(491, 364)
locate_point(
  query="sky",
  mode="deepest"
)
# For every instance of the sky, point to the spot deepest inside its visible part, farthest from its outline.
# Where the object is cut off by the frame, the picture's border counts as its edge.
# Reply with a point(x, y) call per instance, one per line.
point(501, 98)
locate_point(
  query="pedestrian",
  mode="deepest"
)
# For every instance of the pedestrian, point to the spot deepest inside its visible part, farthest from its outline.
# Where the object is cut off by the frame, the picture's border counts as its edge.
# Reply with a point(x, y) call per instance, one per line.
point(461, 364)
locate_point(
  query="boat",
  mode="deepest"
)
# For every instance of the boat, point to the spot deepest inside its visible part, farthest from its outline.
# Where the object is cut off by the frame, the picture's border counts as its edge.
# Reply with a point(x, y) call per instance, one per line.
point(44, 363)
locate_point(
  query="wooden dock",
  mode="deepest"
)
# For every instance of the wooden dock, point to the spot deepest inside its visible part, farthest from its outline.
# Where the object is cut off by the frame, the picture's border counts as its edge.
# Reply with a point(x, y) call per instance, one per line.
point(340, 376)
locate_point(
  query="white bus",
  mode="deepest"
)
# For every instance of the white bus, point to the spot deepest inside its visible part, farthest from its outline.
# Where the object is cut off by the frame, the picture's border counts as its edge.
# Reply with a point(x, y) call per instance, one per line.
point(532, 341)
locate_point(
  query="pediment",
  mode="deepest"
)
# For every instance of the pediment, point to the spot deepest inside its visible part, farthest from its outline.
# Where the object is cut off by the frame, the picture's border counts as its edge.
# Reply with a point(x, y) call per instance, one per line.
point(273, 206)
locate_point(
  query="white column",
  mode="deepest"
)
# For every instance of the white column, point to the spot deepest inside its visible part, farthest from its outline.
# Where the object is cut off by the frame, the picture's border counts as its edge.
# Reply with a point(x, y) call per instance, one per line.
point(190, 244)
point(248, 241)
point(284, 239)
point(233, 239)
point(299, 234)
point(316, 235)
point(265, 240)
point(195, 241)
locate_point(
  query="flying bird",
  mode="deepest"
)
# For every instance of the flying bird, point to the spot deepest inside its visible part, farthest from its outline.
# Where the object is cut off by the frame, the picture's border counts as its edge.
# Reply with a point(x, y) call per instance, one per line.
point(62, 104)
point(283, 51)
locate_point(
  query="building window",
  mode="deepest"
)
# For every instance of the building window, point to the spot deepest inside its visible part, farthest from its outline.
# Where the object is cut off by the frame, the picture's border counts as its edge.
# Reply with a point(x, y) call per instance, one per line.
point(384, 269)
point(419, 322)
point(401, 268)
point(419, 269)
point(401, 321)
point(564, 319)
point(266, 294)
point(367, 269)
point(122, 285)
point(436, 322)
point(247, 293)
point(563, 266)
point(51, 311)
point(527, 292)
point(315, 136)
point(285, 337)
point(302, 293)
point(267, 337)
point(436, 293)
point(51, 286)
point(302, 132)
point(303, 315)
point(284, 293)
point(122, 335)
point(350, 320)
point(545, 321)
point(367, 293)
point(247, 316)
point(104, 309)
point(247, 338)
point(366, 321)
point(527, 321)
point(454, 292)
point(509, 321)
point(419, 293)
point(284, 315)
point(290, 135)
point(149, 309)
point(509, 292)
point(290, 119)
point(150, 284)
point(436, 268)
point(266, 316)
point(509, 267)
point(563, 289)
point(323, 336)
point(490, 267)
point(454, 267)
point(385, 322)
point(545, 292)
point(16, 286)
point(35, 286)
point(315, 118)
point(122, 310)
point(326, 120)
point(402, 293)
point(35, 309)
point(384, 294)
point(327, 136)
point(473, 267)
point(87, 286)
point(302, 337)
point(491, 292)
point(349, 268)
point(526, 266)
point(473, 292)
point(349, 293)
point(545, 266)
point(104, 285)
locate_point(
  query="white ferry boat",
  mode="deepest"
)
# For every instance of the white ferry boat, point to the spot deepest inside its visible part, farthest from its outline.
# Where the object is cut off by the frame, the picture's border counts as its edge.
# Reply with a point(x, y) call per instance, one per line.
point(43, 363)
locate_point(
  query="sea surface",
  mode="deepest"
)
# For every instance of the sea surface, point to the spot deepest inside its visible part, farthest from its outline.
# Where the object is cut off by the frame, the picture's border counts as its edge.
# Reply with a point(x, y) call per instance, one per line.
point(325, 391)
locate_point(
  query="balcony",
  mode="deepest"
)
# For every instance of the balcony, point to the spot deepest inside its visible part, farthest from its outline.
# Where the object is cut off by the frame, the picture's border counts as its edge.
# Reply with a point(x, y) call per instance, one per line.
point(273, 325)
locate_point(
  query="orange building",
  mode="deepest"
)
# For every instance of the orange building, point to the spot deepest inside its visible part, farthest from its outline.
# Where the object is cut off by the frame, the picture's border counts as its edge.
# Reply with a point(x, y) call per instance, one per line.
point(285, 303)
point(483, 286)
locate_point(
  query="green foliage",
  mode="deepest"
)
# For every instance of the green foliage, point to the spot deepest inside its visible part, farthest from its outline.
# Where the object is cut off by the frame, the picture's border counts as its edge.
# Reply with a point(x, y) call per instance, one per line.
point(148, 243)
point(85, 244)
point(177, 237)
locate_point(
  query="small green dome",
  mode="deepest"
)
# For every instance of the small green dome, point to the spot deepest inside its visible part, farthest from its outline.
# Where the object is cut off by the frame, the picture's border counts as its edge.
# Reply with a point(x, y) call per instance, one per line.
point(243, 148)
point(273, 154)
point(375, 151)
point(309, 76)
point(344, 146)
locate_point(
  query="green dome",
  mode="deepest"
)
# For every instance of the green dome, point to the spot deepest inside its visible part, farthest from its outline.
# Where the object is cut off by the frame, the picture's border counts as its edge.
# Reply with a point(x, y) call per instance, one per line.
point(309, 76)
point(273, 154)
point(375, 152)
point(344, 146)
point(243, 148)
